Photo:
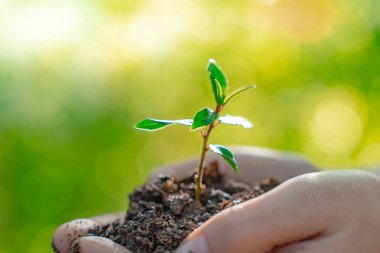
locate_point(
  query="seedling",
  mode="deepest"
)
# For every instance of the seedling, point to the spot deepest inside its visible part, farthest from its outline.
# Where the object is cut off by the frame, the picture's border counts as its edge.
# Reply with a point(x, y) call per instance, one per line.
point(205, 120)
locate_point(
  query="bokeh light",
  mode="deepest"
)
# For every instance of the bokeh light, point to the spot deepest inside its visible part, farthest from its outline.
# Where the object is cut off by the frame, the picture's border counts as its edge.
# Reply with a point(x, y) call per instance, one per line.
point(76, 75)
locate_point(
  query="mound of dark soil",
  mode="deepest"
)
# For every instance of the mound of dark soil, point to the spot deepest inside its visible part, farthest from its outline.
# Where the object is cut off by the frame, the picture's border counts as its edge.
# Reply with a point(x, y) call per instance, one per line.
point(161, 215)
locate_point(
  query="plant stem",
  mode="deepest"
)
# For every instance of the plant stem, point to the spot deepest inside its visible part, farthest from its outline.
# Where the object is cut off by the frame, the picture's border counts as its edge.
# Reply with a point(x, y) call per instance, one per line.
point(199, 176)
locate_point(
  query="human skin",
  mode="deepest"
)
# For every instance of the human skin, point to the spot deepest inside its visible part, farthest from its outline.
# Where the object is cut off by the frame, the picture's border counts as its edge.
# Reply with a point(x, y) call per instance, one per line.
point(332, 211)
point(310, 212)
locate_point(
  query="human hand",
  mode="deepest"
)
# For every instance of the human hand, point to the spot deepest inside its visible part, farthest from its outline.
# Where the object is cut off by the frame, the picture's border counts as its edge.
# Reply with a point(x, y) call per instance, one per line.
point(71, 236)
point(254, 164)
point(334, 211)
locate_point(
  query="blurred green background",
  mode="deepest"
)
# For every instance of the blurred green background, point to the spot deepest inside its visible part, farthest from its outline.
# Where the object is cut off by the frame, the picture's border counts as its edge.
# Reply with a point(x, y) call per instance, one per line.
point(76, 75)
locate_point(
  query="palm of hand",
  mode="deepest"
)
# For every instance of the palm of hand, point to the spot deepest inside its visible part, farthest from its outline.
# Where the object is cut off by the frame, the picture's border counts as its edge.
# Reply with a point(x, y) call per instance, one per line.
point(255, 164)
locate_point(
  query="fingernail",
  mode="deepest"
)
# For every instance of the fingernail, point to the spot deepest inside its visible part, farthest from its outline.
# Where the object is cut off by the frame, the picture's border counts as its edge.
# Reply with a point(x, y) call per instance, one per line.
point(195, 245)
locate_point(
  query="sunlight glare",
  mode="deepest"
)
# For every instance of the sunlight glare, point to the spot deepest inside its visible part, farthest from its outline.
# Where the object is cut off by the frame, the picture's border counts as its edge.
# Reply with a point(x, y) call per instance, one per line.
point(155, 30)
point(38, 26)
point(336, 127)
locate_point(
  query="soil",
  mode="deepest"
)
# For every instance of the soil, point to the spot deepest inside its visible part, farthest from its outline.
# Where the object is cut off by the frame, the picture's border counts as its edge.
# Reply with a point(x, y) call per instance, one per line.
point(161, 215)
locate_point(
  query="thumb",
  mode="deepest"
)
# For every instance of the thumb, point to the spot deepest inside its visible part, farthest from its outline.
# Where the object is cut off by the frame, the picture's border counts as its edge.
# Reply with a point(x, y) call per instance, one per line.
point(288, 213)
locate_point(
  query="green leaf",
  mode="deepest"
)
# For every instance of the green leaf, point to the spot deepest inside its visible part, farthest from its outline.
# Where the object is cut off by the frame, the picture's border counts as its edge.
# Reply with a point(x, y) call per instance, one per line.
point(226, 154)
point(156, 124)
point(236, 92)
point(217, 92)
point(236, 121)
point(218, 81)
point(203, 117)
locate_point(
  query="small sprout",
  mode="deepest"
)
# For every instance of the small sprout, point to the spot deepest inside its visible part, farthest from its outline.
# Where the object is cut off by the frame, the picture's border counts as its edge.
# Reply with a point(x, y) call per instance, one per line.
point(205, 120)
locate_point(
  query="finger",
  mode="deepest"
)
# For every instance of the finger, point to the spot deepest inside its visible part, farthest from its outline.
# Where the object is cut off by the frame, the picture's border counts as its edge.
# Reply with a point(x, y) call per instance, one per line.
point(315, 245)
point(276, 218)
point(97, 244)
point(254, 164)
point(179, 170)
point(299, 247)
point(70, 231)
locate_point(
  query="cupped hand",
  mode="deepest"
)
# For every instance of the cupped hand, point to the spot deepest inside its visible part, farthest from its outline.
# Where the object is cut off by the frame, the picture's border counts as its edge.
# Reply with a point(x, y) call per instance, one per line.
point(332, 211)
point(71, 236)
point(254, 164)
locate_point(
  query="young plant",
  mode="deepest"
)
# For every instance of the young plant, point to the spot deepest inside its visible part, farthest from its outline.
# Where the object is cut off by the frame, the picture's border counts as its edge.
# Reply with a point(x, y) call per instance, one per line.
point(205, 120)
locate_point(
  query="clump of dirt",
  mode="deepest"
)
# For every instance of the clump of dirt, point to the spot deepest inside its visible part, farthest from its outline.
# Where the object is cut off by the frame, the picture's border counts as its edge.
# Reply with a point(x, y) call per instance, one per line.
point(161, 215)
